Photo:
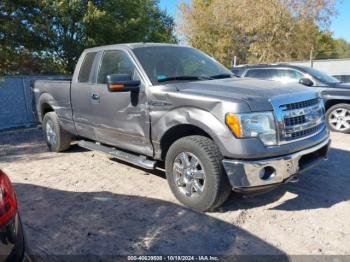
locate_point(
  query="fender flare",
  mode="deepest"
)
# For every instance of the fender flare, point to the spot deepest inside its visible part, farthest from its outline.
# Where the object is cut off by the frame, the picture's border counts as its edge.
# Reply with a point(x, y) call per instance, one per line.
point(202, 119)
point(45, 98)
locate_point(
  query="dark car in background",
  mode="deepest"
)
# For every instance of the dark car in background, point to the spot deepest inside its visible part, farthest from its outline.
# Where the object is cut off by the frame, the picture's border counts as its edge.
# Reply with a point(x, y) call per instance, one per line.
point(343, 78)
point(335, 93)
point(13, 246)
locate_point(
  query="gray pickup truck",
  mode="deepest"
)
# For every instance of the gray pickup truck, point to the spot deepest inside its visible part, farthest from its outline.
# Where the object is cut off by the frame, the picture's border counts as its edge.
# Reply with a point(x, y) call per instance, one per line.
point(174, 107)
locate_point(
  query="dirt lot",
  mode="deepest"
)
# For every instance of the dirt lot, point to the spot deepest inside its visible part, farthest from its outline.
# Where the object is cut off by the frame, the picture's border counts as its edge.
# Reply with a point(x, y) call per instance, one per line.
point(82, 202)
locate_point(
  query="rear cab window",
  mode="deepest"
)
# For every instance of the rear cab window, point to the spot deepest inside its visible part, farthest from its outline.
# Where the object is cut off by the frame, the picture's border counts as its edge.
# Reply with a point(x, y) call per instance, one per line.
point(86, 68)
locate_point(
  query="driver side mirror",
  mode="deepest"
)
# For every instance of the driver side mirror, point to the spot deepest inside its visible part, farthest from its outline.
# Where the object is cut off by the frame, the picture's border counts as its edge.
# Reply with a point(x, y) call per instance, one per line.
point(122, 83)
point(306, 82)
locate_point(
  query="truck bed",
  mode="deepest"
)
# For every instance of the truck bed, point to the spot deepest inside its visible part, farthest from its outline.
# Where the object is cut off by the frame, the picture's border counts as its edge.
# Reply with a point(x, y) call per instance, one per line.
point(54, 94)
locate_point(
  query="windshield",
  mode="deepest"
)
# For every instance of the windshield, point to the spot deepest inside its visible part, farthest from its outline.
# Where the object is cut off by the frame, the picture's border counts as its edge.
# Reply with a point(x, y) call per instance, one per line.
point(321, 76)
point(177, 63)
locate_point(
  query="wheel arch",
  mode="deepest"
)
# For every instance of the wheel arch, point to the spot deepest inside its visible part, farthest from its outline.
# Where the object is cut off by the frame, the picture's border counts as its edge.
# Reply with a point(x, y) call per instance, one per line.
point(177, 132)
point(187, 121)
point(332, 102)
point(44, 106)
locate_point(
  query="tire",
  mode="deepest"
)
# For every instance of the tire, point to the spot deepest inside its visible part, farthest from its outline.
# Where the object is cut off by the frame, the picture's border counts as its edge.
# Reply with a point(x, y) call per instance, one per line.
point(203, 194)
point(338, 118)
point(57, 139)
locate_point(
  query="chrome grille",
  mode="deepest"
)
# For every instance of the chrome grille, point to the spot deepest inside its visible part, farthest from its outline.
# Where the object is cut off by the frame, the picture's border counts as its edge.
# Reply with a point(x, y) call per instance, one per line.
point(303, 133)
point(302, 104)
point(298, 120)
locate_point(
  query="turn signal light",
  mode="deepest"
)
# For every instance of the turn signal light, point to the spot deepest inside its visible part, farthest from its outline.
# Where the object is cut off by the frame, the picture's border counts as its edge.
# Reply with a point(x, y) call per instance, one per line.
point(116, 86)
point(233, 122)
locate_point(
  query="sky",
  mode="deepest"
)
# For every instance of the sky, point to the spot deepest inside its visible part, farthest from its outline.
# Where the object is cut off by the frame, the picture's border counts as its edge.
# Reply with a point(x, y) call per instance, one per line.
point(171, 5)
point(340, 24)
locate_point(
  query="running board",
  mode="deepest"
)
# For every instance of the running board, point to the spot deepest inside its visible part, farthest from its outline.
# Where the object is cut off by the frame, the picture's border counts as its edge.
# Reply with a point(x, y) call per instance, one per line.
point(136, 160)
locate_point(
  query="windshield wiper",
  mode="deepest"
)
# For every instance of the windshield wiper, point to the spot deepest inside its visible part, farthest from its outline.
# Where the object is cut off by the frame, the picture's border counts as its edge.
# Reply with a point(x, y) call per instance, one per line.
point(219, 76)
point(174, 78)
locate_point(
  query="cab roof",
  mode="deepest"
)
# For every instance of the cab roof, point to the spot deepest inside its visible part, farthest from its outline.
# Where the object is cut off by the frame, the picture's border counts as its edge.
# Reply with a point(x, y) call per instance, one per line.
point(133, 46)
point(251, 66)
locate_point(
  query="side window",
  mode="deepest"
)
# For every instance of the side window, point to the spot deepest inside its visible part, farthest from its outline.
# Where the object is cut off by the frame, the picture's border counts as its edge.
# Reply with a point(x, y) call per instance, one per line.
point(115, 62)
point(259, 73)
point(86, 66)
point(287, 75)
point(297, 74)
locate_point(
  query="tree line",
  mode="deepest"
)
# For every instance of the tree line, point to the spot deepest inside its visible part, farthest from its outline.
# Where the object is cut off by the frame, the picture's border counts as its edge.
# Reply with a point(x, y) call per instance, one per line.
point(47, 36)
point(262, 31)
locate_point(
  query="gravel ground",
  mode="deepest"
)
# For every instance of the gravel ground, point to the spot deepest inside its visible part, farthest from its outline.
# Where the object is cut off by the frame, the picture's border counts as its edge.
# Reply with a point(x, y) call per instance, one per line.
point(82, 202)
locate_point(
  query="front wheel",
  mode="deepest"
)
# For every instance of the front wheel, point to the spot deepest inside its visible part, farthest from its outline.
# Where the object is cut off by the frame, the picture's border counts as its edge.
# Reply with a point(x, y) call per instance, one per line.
point(57, 139)
point(338, 118)
point(195, 173)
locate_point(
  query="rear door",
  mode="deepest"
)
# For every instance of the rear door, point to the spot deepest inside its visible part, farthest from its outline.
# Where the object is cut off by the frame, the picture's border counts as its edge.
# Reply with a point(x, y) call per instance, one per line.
point(120, 119)
point(82, 94)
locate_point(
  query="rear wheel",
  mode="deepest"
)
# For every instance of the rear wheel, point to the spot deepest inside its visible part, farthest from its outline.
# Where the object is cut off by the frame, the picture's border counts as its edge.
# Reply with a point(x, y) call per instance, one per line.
point(57, 139)
point(338, 118)
point(195, 173)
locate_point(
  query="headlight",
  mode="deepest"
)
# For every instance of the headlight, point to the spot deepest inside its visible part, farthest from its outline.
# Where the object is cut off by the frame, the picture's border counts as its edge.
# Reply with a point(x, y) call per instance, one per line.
point(261, 125)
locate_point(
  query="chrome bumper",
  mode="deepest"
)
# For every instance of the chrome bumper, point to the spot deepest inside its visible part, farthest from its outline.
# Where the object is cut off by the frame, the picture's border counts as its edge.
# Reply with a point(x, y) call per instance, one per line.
point(273, 171)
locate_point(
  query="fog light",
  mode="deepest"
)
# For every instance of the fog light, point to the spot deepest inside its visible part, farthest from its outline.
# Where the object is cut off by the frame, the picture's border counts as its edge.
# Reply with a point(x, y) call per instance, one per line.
point(267, 173)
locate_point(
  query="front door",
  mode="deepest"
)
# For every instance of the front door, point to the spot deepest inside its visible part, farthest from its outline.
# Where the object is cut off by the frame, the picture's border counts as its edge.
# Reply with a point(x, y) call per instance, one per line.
point(120, 119)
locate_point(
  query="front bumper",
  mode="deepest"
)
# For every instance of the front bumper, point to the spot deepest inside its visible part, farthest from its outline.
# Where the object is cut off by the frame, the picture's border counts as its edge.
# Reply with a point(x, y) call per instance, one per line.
point(268, 173)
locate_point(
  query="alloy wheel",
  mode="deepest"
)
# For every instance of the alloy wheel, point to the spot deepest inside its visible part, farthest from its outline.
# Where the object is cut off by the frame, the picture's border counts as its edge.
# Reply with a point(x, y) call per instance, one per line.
point(339, 119)
point(50, 133)
point(189, 175)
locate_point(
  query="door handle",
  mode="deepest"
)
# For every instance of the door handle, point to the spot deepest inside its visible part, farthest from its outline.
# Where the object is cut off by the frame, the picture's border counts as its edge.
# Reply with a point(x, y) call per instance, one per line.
point(95, 96)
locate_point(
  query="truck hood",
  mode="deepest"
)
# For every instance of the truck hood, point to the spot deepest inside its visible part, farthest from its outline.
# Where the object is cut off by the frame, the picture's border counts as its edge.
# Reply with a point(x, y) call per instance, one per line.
point(257, 93)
